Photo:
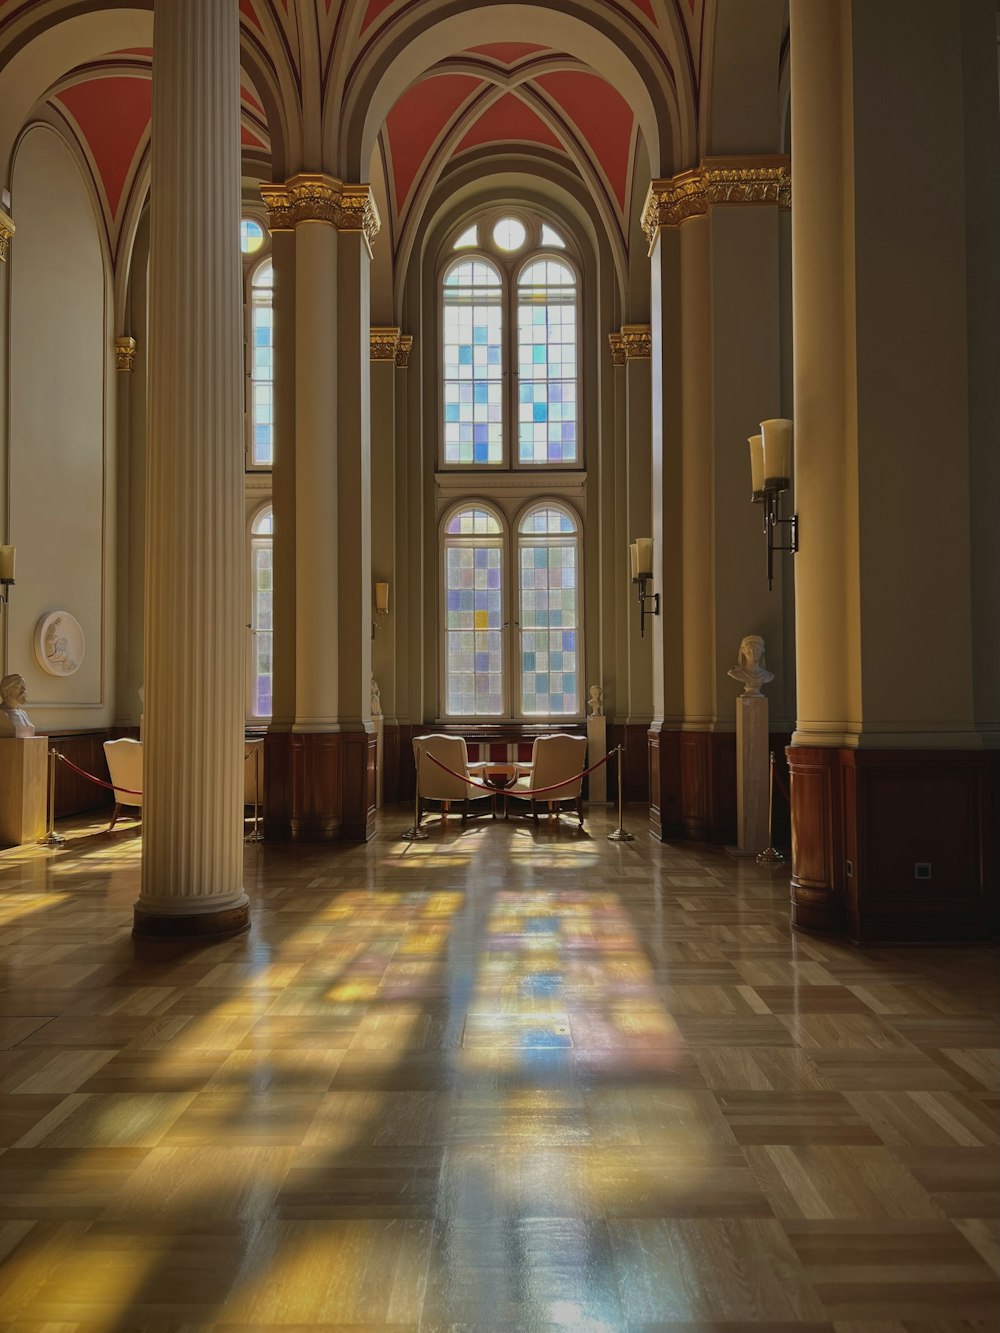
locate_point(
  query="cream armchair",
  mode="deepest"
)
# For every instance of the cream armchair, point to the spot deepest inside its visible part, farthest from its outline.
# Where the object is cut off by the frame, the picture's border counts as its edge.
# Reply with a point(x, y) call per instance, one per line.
point(554, 759)
point(434, 784)
point(125, 766)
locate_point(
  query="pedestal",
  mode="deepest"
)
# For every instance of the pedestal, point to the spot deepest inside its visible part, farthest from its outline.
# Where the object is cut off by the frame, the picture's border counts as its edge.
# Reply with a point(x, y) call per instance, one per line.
point(597, 748)
point(379, 722)
point(751, 773)
point(23, 770)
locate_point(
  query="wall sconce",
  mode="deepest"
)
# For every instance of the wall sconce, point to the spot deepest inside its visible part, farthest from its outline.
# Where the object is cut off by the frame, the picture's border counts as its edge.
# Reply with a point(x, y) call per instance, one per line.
point(641, 553)
point(770, 475)
point(6, 572)
point(381, 605)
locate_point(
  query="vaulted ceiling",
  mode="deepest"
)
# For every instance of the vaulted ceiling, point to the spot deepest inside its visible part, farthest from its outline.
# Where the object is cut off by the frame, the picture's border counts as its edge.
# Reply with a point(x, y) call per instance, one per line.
point(513, 96)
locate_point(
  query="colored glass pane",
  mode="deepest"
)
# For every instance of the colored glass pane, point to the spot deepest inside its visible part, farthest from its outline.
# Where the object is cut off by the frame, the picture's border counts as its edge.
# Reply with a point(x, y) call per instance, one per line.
point(262, 367)
point(262, 614)
point(473, 370)
point(473, 620)
point(547, 363)
point(251, 236)
point(549, 613)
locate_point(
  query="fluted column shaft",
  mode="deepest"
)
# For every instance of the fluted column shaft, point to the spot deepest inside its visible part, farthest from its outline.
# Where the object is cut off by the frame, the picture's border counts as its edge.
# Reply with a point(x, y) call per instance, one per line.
point(192, 863)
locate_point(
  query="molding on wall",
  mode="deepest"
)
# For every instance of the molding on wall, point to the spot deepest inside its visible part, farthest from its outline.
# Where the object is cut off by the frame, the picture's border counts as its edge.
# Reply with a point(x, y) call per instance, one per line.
point(617, 344)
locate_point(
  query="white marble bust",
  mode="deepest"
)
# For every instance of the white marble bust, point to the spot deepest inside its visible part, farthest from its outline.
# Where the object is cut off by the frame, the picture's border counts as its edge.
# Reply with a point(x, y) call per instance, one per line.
point(750, 668)
point(596, 701)
point(376, 699)
point(14, 721)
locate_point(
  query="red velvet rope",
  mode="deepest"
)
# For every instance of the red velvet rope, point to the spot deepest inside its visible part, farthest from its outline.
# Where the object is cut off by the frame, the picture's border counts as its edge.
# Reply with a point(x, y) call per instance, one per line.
point(524, 791)
point(99, 781)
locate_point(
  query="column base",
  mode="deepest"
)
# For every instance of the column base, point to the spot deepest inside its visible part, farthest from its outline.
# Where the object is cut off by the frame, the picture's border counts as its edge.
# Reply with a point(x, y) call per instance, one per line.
point(227, 921)
point(319, 787)
point(895, 845)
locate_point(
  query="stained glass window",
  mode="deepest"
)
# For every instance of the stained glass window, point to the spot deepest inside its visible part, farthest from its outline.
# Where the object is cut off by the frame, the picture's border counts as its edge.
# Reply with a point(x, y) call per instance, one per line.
point(262, 367)
point(473, 363)
point(251, 236)
point(549, 615)
point(473, 591)
point(547, 369)
point(261, 613)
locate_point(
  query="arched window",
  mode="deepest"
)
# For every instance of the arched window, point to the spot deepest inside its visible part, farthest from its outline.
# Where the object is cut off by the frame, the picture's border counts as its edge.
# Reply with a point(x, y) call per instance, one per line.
point(546, 363)
point(522, 281)
point(548, 550)
point(487, 671)
point(261, 367)
point(261, 613)
point(473, 363)
point(474, 676)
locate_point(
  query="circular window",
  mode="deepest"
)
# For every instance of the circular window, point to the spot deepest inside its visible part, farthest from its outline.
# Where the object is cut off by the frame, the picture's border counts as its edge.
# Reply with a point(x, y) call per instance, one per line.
point(509, 234)
point(251, 236)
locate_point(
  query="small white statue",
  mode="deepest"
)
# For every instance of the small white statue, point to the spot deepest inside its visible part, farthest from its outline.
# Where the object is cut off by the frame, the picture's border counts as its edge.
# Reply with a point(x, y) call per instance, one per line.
point(14, 721)
point(376, 699)
point(751, 669)
point(596, 701)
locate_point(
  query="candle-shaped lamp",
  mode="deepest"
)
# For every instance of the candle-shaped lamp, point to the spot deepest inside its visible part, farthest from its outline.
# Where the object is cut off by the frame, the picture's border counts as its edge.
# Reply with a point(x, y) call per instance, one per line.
point(6, 564)
point(633, 552)
point(644, 554)
point(382, 598)
point(756, 443)
point(777, 437)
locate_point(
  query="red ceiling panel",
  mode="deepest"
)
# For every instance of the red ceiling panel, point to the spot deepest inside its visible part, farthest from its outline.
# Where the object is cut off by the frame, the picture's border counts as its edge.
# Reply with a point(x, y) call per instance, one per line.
point(509, 119)
point(417, 119)
point(375, 7)
point(602, 117)
point(246, 7)
point(647, 7)
point(112, 114)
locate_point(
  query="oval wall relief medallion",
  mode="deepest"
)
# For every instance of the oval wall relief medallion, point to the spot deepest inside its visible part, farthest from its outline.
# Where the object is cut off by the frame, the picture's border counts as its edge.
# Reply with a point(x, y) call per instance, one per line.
point(59, 643)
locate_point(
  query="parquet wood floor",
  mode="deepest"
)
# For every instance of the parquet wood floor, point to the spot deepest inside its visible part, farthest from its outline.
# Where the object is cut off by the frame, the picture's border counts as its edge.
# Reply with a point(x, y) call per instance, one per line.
point(505, 1079)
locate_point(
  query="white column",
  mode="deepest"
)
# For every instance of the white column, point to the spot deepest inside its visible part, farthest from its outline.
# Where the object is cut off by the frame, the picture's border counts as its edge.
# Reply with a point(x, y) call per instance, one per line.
point(192, 863)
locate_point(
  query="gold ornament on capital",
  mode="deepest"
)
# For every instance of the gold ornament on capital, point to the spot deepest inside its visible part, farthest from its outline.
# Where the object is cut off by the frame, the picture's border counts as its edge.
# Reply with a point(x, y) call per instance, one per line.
point(125, 349)
point(617, 344)
point(403, 350)
point(6, 232)
point(314, 197)
point(637, 342)
point(383, 343)
point(738, 180)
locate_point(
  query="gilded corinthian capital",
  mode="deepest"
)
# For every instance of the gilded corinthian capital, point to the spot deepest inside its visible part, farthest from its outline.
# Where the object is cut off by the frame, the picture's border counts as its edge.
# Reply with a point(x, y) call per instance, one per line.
point(312, 196)
point(718, 180)
point(6, 232)
point(383, 342)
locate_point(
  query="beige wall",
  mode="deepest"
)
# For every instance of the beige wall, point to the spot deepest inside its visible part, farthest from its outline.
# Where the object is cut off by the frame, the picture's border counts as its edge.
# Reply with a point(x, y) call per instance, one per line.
point(61, 456)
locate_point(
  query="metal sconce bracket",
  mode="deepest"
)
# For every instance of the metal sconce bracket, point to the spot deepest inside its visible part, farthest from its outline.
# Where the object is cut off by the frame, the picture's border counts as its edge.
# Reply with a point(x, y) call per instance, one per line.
point(772, 519)
point(645, 597)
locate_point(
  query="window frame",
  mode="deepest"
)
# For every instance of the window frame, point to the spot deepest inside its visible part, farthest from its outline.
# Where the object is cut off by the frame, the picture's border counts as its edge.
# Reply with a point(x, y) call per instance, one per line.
point(254, 540)
point(510, 602)
point(510, 266)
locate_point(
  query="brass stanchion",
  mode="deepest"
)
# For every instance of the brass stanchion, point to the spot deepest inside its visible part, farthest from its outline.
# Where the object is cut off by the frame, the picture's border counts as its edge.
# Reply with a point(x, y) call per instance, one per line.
point(256, 835)
point(52, 838)
point(416, 833)
point(620, 834)
point(770, 856)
